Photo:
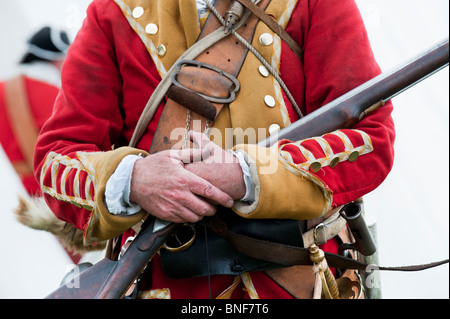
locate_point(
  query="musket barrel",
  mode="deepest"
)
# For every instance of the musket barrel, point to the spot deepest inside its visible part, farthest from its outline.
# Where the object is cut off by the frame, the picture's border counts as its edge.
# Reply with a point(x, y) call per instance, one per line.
point(345, 111)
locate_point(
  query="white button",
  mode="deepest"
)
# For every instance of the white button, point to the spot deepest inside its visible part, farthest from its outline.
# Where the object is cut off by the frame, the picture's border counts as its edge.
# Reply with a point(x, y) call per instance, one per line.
point(269, 100)
point(266, 39)
point(161, 50)
point(138, 12)
point(274, 129)
point(263, 70)
point(151, 28)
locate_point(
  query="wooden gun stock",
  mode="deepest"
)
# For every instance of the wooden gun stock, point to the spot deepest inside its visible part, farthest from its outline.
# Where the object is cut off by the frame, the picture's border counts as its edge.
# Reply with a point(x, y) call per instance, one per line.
point(111, 279)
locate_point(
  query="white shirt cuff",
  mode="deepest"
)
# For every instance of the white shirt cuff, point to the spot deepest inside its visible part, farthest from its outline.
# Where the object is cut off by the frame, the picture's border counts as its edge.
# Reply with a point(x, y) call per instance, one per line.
point(248, 180)
point(117, 192)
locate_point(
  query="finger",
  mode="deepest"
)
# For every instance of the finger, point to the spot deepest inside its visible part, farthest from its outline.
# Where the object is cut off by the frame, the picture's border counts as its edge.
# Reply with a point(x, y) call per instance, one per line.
point(190, 155)
point(200, 139)
point(193, 209)
point(185, 214)
point(203, 188)
point(210, 148)
point(175, 211)
point(185, 206)
point(200, 206)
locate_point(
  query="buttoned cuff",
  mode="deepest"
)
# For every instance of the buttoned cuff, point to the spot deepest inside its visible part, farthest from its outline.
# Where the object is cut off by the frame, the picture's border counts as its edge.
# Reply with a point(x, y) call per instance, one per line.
point(281, 191)
point(103, 225)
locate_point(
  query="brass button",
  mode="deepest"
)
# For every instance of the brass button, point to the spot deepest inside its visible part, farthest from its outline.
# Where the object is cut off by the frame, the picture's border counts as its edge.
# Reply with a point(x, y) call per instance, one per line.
point(138, 12)
point(353, 156)
point(334, 162)
point(315, 167)
point(161, 50)
point(263, 71)
point(266, 39)
point(269, 100)
point(151, 28)
point(274, 129)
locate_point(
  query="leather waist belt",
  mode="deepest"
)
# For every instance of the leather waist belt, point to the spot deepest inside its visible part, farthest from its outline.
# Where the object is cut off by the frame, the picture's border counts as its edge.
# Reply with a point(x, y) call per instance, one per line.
point(212, 254)
point(228, 244)
point(288, 255)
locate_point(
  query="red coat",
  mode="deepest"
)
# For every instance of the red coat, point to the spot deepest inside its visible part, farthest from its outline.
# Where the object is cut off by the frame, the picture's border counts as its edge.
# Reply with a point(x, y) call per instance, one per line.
point(41, 97)
point(109, 75)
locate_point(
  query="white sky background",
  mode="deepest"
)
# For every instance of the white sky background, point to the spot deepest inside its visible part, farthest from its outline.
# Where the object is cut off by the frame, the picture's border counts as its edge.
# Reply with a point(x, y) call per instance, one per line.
point(410, 207)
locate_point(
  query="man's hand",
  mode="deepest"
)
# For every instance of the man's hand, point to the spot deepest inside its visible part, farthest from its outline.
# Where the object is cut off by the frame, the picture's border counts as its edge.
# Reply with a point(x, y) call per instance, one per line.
point(162, 186)
point(219, 167)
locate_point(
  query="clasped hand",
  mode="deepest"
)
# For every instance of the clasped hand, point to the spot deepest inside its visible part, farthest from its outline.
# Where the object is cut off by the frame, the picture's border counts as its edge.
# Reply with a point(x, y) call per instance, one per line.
point(187, 185)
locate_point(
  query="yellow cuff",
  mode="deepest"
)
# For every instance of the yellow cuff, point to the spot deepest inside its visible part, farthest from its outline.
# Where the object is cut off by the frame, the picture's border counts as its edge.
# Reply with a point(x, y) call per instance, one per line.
point(282, 191)
point(103, 225)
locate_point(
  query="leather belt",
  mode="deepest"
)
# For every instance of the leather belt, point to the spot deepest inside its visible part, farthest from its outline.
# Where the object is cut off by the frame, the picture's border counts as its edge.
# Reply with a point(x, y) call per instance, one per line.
point(211, 254)
point(287, 255)
point(324, 231)
point(212, 74)
point(225, 259)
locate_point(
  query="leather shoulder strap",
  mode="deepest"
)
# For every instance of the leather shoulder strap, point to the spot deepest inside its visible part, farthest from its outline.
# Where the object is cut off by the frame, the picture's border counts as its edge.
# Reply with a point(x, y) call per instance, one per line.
point(226, 58)
point(21, 118)
point(275, 27)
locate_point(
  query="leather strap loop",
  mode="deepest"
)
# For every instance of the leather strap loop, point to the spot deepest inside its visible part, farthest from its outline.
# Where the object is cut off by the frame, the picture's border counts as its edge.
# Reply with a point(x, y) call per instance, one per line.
point(193, 101)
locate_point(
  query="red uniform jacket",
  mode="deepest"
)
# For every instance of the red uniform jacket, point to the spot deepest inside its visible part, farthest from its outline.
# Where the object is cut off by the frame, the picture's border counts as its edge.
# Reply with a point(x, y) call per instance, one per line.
point(109, 75)
point(41, 97)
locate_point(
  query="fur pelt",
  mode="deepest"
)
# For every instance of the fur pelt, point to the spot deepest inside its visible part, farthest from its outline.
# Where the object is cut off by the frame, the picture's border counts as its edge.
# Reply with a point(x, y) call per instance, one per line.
point(34, 213)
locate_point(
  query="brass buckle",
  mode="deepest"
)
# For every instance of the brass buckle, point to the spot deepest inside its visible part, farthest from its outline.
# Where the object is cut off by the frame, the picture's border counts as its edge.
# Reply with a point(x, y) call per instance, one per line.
point(235, 87)
point(319, 241)
point(181, 239)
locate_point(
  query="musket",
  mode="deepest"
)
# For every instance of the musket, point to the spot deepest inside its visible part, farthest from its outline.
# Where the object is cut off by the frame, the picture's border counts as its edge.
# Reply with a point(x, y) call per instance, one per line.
point(112, 279)
point(348, 109)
